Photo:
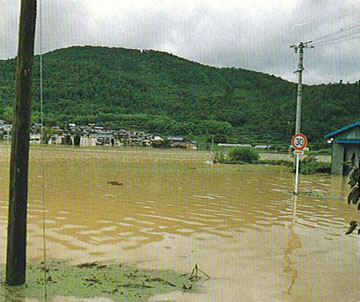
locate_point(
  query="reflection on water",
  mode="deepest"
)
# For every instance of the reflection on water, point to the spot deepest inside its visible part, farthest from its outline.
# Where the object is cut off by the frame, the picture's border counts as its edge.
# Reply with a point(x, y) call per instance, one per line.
point(293, 245)
point(174, 210)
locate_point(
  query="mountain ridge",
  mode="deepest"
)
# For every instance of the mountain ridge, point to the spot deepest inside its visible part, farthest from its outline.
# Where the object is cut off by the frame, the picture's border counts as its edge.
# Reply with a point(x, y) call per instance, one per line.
point(166, 94)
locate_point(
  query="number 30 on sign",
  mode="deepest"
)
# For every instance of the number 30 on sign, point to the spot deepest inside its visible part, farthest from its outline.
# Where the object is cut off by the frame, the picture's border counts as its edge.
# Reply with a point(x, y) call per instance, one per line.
point(299, 141)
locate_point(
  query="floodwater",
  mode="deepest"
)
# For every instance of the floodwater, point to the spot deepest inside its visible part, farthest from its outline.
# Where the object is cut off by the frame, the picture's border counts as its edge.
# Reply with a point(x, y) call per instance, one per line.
point(174, 209)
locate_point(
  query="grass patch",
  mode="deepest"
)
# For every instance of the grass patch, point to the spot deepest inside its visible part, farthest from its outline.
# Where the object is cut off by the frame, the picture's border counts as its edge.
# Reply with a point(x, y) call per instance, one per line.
point(118, 282)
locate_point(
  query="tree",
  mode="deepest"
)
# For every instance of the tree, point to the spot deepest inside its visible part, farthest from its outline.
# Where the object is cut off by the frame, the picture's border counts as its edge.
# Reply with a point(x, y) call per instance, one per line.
point(8, 114)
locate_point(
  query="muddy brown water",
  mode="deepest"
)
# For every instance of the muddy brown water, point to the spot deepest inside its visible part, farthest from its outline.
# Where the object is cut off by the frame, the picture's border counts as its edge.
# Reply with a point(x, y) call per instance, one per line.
point(174, 209)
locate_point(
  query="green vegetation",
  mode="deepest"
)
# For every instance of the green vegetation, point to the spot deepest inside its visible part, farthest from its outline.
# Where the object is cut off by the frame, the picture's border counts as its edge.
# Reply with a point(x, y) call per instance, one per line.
point(219, 157)
point(243, 155)
point(164, 94)
point(354, 195)
point(310, 165)
point(238, 155)
point(354, 182)
point(89, 280)
point(325, 151)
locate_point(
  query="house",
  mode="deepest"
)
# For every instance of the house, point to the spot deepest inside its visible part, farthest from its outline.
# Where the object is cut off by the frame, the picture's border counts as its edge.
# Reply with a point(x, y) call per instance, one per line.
point(157, 141)
point(7, 130)
point(181, 142)
point(102, 138)
point(35, 138)
point(176, 141)
point(345, 143)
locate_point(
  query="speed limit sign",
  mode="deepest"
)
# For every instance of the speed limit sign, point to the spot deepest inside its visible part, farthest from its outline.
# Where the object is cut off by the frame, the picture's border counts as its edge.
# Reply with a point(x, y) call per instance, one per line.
point(299, 141)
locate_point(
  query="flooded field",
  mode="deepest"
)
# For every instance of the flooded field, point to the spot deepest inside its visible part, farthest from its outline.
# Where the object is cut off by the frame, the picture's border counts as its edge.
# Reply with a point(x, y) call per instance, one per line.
point(174, 209)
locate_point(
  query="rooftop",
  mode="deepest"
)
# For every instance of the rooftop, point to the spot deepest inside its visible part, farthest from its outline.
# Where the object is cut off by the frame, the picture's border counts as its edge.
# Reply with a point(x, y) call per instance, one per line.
point(342, 129)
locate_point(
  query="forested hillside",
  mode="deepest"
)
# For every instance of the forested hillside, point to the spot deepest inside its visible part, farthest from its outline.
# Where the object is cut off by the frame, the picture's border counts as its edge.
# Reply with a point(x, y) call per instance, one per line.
point(165, 94)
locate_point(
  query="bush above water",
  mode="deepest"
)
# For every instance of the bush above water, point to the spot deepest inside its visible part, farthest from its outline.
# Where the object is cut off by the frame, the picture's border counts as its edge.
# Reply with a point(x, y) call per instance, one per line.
point(238, 155)
point(310, 165)
point(243, 155)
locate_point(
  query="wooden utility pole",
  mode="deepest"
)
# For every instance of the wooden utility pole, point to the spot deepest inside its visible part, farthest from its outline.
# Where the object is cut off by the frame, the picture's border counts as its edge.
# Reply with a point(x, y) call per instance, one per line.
point(16, 244)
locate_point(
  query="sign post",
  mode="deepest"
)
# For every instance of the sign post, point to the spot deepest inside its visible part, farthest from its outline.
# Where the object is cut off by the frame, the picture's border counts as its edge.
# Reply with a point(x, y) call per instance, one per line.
point(299, 142)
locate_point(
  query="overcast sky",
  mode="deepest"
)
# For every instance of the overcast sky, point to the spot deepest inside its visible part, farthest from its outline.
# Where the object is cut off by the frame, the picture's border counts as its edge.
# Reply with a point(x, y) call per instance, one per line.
point(250, 34)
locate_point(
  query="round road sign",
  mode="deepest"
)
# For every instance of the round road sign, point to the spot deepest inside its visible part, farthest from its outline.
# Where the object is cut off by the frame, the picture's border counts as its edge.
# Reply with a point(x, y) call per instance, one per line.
point(299, 141)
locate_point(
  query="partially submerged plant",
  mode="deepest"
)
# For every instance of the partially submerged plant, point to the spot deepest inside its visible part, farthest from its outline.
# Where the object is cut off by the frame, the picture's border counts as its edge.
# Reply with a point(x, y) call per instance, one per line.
point(219, 157)
point(354, 195)
point(353, 224)
point(354, 182)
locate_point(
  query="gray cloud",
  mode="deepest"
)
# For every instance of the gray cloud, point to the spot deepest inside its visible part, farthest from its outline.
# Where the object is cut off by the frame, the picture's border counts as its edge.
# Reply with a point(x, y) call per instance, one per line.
point(251, 34)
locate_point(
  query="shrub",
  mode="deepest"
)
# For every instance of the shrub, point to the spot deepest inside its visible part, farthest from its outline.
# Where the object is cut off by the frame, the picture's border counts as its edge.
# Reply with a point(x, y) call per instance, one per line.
point(243, 155)
point(219, 157)
point(310, 165)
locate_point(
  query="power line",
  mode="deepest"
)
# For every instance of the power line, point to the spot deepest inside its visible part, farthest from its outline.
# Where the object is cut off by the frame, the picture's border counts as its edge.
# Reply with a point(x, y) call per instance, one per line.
point(340, 37)
point(340, 32)
point(339, 40)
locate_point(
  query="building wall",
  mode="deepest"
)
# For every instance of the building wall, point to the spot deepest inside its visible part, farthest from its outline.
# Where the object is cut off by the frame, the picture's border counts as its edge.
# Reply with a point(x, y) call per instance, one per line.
point(341, 152)
point(337, 158)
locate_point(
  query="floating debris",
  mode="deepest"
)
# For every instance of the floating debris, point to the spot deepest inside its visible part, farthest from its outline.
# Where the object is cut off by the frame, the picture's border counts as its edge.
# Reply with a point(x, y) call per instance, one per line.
point(115, 183)
point(187, 287)
point(353, 225)
point(197, 273)
point(92, 280)
point(89, 264)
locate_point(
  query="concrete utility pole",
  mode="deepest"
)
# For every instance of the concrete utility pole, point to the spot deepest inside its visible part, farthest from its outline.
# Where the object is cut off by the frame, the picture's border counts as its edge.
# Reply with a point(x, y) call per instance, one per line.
point(19, 162)
point(300, 48)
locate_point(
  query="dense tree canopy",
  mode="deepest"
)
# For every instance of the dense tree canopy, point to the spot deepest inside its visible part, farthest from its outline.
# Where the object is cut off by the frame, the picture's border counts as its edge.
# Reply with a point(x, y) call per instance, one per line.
point(165, 94)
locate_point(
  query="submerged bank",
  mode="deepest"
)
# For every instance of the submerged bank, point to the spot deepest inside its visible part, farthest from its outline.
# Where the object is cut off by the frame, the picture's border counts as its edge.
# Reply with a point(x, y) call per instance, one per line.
point(116, 282)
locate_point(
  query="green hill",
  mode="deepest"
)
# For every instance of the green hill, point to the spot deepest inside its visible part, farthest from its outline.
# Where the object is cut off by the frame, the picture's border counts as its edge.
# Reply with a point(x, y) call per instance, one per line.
point(165, 94)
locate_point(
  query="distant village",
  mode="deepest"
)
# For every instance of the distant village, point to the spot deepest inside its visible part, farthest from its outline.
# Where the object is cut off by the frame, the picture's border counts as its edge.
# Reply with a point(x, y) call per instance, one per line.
point(93, 135)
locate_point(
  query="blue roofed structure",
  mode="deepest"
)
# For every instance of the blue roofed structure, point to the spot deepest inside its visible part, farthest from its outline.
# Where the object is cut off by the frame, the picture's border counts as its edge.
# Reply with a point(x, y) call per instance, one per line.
point(343, 129)
point(345, 143)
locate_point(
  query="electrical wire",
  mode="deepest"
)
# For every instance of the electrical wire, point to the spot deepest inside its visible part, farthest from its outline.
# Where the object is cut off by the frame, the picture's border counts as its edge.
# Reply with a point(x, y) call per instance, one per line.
point(337, 41)
point(338, 32)
point(340, 37)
